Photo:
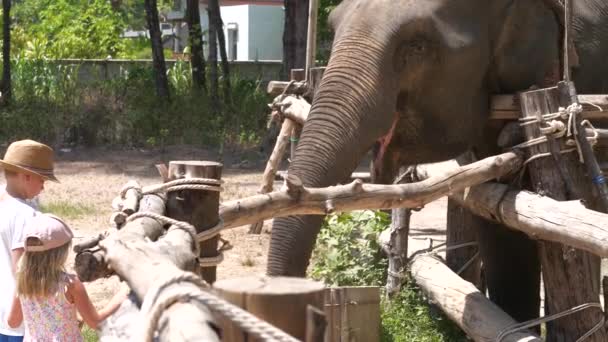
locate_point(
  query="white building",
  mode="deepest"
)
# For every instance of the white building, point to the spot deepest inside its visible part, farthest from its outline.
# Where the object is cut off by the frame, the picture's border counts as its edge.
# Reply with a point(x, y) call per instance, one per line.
point(253, 28)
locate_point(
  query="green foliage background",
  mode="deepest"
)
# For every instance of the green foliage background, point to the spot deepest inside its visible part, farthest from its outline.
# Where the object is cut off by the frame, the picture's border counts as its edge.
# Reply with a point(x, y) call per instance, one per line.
point(347, 254)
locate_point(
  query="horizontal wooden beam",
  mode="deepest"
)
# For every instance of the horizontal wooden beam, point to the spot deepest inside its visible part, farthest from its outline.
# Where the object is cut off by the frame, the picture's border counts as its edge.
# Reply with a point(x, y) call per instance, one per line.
point(506, 107)
point(298, 200)
point(364, 176)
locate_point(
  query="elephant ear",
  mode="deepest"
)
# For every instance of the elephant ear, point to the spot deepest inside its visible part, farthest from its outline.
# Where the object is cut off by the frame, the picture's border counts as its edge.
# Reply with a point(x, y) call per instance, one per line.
point(526, 45)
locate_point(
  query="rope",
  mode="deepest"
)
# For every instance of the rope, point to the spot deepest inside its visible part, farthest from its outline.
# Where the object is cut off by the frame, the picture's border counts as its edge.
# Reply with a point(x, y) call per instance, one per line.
point(196, 237)
point(153, 307)
point(208, 184)
point(525, 325)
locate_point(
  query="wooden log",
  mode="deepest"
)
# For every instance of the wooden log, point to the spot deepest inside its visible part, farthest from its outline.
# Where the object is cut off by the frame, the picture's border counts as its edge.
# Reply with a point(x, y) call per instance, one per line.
point(276, 88)
point(280, 301)
point(364, 176)
point(539, 216)
point(271, 167)
point(199, 208)
point(131, 200)
point(506, 107)
point(356, 196)
point(568, 274)
point(90, 263)
point(297, 74)
point(462, 302)
point(143, 265)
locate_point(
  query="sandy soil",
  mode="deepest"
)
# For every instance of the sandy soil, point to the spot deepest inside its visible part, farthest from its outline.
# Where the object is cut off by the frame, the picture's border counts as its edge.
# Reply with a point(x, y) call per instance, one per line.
point(92, 178)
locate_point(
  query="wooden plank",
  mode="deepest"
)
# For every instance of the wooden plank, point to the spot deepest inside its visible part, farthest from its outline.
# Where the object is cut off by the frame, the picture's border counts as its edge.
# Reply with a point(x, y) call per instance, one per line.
point(361, 314)
point(506, 107)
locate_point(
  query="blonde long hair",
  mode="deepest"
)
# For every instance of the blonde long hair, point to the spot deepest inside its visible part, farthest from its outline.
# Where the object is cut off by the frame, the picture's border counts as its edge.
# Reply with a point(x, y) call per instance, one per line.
point(39, 273)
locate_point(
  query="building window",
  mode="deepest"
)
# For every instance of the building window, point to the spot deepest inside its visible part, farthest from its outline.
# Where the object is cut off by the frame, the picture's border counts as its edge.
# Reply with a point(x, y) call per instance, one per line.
point(233, 38)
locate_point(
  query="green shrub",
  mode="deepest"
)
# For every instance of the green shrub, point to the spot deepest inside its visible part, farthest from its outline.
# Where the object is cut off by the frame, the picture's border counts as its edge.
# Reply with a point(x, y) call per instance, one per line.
point(347, 254)
point(347, 251)
point(51, 104)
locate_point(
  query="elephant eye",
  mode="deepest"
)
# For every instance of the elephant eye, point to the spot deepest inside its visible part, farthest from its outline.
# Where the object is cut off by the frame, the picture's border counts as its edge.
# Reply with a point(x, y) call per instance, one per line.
point(410, 51)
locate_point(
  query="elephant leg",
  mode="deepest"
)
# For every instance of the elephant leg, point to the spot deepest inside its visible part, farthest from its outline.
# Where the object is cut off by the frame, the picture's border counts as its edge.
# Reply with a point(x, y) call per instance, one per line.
point(512, 270)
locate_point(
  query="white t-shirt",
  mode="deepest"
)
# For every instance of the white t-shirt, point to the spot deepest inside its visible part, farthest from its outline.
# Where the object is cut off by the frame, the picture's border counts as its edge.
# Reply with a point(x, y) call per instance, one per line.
point(14, 214)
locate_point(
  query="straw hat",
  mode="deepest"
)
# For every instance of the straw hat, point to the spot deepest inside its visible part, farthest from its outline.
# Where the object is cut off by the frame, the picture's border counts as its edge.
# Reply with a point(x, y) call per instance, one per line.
point(29, 157)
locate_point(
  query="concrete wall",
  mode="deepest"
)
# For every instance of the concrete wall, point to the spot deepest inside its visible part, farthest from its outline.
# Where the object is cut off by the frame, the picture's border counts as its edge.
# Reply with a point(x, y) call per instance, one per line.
point(239, 15)
point(266, 25)
point(91, 70)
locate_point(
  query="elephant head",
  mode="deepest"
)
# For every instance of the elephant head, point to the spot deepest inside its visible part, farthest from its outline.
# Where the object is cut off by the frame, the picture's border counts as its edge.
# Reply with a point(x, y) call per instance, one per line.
point(410, 79)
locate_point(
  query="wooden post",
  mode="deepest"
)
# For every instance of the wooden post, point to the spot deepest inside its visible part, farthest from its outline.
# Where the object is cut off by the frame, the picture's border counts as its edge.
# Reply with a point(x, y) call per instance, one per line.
point(397, 246)
point(272, 166)
point(199, 208)
point(315, 324)
point(462, 227)
point(311, 42)
point(463, 303)
point(280, 301)
point(571, 276)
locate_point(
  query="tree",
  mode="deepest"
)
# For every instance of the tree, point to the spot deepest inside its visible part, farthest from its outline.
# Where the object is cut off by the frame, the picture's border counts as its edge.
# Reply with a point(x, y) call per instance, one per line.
point(215, 103)
point(6, 52)
point(294, 35)
point(158, 58)
point(216, 35)
point(195, 37)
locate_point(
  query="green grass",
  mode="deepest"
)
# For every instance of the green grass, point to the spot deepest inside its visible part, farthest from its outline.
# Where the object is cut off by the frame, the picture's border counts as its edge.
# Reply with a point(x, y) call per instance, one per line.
point(89, 334)
point(67, 210)
point(409, 318)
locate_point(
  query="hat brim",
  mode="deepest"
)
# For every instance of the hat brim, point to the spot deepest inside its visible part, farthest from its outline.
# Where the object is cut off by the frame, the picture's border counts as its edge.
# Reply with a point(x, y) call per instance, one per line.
point(46, 175)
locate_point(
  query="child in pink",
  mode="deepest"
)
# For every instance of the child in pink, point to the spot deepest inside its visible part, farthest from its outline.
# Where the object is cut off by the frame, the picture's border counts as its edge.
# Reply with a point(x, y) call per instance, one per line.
point(47, 297)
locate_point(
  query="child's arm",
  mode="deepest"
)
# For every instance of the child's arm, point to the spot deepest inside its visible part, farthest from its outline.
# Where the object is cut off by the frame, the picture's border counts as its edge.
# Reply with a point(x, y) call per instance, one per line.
point(86, 309)
point(15, 317)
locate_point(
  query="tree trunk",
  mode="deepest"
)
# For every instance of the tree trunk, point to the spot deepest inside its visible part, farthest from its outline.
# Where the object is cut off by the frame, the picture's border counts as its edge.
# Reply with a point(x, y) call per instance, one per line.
point(294, 35)
point(6, 87)
point(571, 276)
point(158, 58)
point(214, 9)
point(215, 103)
point(195, 37)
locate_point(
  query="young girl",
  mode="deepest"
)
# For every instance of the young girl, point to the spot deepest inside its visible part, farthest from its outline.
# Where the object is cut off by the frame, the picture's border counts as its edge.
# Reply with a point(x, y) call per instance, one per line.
point(47, 297)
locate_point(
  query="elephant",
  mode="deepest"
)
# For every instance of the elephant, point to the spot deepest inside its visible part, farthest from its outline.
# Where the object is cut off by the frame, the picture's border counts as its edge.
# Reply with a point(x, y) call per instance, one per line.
point(411, 80)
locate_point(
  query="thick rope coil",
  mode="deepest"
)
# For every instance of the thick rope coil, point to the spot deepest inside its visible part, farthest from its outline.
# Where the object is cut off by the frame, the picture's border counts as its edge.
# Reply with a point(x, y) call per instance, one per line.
point(154, 305)
point(534, 322)
point(208, 184)
point(196, 237)
point(167, 220)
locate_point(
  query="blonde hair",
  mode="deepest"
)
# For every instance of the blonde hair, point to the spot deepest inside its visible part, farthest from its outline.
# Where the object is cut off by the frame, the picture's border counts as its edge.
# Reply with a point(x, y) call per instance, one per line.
point(39, 273)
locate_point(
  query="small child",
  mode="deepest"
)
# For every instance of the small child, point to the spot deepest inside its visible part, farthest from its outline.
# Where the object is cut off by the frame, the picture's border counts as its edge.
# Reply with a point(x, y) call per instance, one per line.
point(47, 297)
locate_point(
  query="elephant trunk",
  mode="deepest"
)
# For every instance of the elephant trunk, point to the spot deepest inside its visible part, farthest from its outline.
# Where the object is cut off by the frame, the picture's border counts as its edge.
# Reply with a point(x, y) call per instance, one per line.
point(352, 109)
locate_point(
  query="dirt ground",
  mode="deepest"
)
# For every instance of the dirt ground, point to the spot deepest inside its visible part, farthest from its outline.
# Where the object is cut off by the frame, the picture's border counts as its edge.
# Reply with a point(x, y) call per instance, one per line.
point(91, 178)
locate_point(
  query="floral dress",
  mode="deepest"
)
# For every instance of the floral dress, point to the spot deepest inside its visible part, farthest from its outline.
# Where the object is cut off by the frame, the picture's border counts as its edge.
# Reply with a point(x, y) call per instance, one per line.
point(52, 318)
